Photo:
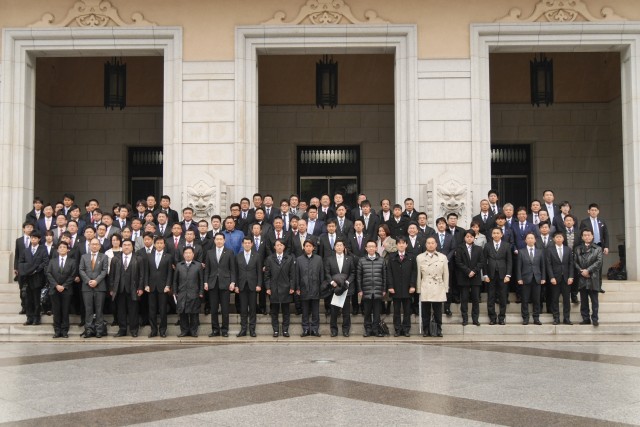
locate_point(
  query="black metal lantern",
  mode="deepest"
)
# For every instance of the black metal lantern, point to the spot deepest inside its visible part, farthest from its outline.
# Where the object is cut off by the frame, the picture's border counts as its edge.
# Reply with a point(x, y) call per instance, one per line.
point(541, 80)
point(326, 82)
point(115, 84)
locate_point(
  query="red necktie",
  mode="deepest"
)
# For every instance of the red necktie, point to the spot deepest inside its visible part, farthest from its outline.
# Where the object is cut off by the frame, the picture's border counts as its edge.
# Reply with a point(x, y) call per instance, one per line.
point(176, 243)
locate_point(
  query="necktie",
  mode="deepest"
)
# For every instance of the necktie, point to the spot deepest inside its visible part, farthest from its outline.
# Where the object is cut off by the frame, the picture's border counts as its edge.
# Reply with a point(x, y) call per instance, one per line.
point(341, 224)
point(495, 210)
point(246, 257)
point(257, 243)
point(596, 231)
point(484, 218)
point(61, 263)
point(531, 253)
point(469, 248)
point(219, 253)
point(331, 241)
point(176, 243)
point(535, 218)
point(268, 211)
point(161, 229)
point(441, 240)
point(33, 250)
point(279, 259)
point(497, 247)
point(522, 227)
point(366, 223)
point(278, 235)
point(401, 257)
point(545, 241)
point(359, 242)
point(158, 257)
point(93, 261)
point(244, 215)
point(26, 242)
point(126, 262)
point(560, 252)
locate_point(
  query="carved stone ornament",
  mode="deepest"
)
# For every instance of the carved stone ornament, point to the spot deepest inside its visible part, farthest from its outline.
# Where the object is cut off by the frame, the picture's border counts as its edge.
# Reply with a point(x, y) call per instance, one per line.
point(92, 13)
point(326, 12)
point(206, 198)
point(445, 195)
point(560, 11)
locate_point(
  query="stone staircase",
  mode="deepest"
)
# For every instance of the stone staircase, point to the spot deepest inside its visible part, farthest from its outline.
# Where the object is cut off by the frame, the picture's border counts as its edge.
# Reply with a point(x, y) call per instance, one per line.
point(619, 316)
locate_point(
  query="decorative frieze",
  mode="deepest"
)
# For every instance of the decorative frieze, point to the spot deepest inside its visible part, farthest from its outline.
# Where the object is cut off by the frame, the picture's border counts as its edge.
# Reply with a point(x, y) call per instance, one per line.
point(560, 11)
point(326, 12)
point(90, 14)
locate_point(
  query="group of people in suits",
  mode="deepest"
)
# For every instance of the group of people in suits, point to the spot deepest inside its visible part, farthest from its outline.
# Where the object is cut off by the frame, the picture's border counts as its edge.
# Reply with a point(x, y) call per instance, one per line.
point(143, 262)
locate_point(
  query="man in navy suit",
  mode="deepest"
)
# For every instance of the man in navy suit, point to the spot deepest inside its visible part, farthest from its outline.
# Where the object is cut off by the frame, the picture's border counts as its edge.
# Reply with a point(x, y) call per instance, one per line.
point(497, 274)
point(549, 206)
point(598, 227)
point(219, 279)
point(530, 273)
point(315, 227)
point(493, 197)
point(560, 270)
point(32, 265)
point(249, 270)
point(520, 231)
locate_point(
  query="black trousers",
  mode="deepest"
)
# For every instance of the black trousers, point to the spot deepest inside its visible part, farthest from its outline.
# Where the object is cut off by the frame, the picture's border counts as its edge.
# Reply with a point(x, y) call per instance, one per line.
point(247, 308)
point(219, 298)
point(262, 300)
point(415, 301)
point(310, 307)
point(465, 291)
point(530, 294)
point(93, 305)
point(158, 304)
point(402, 308)
point(77, 305)
point(22, 290)
point(372, 307)
point(346, 317)
point(499, 290)
point(427, 306)
point(327, 304)
point(189, 323)
point(60, 303)
point(561, 288)
point(127, 312)
point(32, 303)
point(286, 316)
point(354, 303)
point(298, 303)
point(585, 294)
point(143, 308)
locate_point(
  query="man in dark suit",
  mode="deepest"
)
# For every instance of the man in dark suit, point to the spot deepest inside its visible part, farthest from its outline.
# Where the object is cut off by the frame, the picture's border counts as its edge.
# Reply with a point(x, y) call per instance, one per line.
point(165, 206)
point(269, 209)
point(309, 277)
point(416, 244)
point(469, 263)
point(485, 218)
point(530, 273)
point(280, 280)
point(345, 225)
point(446, 246)
point(284, 214)
point(274, 234)
point(315, 227)
point(598, 227)
point(326, 248)
point(31, 267)
point(94, 267)
point(324, 210)
point(158, 286)
point(164, 227)
point(219, 280)
point(47, 221)
point(22, 243)
point(34, 215)
point(398, 223)
point(370, 221)
point(203, 238)
point(357, 212)
point(127, 291)
point(190, 242)
point(172, 243)
point(409, 210)
point(549, 206)
point(188, 289)
point(401, 282)
point(356, 246)
point(123, 219)
point(558, 220)
point(497, 274)
point(60, 277)
point(560, 270)
point(248, 284)
point(143, 255)
point(457, 234)
point(260, 248)
point(187, 222)
point(543, 242)
point(339, 263)
point(572, 239)
point(520, 230)
point(494, 206)
point(423, 228)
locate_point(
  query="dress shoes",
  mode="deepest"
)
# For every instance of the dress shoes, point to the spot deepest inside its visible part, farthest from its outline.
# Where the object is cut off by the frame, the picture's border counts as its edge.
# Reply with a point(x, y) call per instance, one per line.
point(182, 335)
point(27, 323)
point(120, 334)
point(225, 334)
point(334, 334)
point(65, 335)
point(22, 311)
point(502, 322)
point(574, 300)
point(448, 312)
point(407, 334)
point(537, 322)
point(81, 324)
point(345, 334)
point(465, 323)
point(177, 323)
point(214, 334)
point(595, 323)
point(276, 333)
point(585, 322)
point(286, 334)
point(56, 336)
point(366, 334)
point(396, 334)
point(305, 334)
point(194, 335)
point(163, 334)
point(37, 322)
point(86, 335)
point(425, 334)
point(475, 322)
point(153, 334)
point(241, 334)
point(439, 334)
point(518, 301)
point(207, 311)
point(556, 322)
point(252, 334)
point(114, 323)
point(493, 322)
point(134, 334)
point(98, 335)
point(380, 335)
point(525, 322)
point(315, 334)
point(567, 322)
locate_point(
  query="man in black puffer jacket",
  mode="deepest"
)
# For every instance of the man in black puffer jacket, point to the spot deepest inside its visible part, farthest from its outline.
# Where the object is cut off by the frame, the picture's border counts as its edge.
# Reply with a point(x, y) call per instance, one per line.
point(309, 276)
point(372, 279)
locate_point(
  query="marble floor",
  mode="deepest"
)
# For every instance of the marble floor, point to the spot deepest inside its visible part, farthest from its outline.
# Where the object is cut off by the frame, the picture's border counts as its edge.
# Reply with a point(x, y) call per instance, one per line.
point(308, 384)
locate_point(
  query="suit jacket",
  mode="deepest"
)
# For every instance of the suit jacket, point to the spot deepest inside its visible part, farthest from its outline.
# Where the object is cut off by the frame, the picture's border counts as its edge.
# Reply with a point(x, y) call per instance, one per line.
point(604, 230)
point(558, 223)
point(193, 226)
point(219, 275)
point(171, 213)
point(280, 279)
point(17, 253)
point(413, 216)
point(33, 264)
point(322, 216)
point(318, 228)
point(42, 225)
point(198, 253)
point(556, 209)
point(206, 244)
point(447, 248)
point(166, 233)
point(401, 275)
point(485, 226)
point(355, 213)
point(170, 246)
point(540, 242)
point(268, 218)
point(347, 227)
point(65, 277)
point(519, 235)
point(296, 245)
point(419, 247)
point(187, 287)
point(249, 274)
point(32, 217)
point(261, 249)
point(354, 249)
point(324, 245)
point(577, 241)
point(426, 232)
point(270, 241)
point(528, 270)
point(458, 236)
point(348, 269)
point(398, 228)
point(371, 231)
point(465, 264)
point(497, 263)
point(144, 259)
point(132, 279)
point(161, 276)
point(97, 273)
point(127, 223)
point(559, 269)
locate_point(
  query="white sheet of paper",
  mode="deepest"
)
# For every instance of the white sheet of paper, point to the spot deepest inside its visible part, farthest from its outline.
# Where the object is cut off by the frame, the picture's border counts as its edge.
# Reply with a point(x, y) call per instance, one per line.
point(338, 300)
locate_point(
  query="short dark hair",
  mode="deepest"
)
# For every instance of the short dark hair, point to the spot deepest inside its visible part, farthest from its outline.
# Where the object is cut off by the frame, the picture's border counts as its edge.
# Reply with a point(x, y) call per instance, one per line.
point(594, 205)
point(69, 196)
point(450, 214)
point(493, 191)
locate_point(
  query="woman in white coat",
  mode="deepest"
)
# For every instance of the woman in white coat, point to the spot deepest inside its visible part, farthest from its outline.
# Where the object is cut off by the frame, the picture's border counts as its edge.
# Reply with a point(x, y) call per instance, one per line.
point(432, 285)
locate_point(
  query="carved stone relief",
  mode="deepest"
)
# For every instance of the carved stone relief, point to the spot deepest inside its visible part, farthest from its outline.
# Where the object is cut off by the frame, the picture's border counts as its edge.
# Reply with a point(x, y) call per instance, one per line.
point(206, 197)
point(325, 12)
point(92, 13)
point(560, 11)
point(447, 194)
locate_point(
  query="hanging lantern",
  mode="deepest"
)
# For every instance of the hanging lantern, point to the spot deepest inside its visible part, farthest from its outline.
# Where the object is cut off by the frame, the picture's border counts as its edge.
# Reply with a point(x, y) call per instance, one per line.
point(541, 80)
point(326, 82)
point(115, 84)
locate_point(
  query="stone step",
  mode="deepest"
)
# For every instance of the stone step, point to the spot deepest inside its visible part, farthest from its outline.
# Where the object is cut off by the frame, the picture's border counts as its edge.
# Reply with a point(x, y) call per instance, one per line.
point(357, 329)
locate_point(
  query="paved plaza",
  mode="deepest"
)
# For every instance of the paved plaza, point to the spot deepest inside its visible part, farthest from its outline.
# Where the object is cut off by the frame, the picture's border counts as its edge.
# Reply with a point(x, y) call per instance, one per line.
point(320, 383)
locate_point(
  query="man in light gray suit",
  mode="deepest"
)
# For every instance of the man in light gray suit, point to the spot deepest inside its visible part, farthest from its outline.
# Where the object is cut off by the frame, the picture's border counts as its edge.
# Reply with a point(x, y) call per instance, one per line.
point(530, 273)
point(93, 272)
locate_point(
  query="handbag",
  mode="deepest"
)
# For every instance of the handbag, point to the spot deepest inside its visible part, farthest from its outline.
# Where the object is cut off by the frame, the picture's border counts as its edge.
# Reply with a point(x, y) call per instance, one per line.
point(45, 299)
point(383, 328)
point(433, 326)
